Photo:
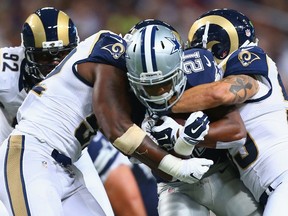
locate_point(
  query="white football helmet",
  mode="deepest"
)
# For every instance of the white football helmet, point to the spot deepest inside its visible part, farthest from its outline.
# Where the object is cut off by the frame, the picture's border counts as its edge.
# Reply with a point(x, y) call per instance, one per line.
point(154, 58)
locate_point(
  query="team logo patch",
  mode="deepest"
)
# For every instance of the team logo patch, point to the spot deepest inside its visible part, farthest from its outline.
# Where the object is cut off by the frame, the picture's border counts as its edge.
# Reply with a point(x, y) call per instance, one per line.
point(176, 44)
point(116, 49)
point(246, 57)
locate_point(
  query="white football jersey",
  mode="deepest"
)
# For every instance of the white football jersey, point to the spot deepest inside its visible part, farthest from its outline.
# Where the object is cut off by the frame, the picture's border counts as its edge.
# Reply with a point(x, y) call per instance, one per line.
point(12, 92)
point(263, 158)
point(58, 110)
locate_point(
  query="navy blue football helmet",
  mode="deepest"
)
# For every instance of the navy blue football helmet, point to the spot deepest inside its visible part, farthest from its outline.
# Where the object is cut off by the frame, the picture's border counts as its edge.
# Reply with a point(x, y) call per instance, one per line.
point(48, 35)
point(222, 31)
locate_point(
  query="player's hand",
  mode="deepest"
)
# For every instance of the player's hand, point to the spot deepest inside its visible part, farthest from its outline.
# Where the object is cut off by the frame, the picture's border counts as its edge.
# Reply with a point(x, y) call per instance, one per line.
point(166, 132)
point(195, 129)
point(186, 170)
point(193, 169)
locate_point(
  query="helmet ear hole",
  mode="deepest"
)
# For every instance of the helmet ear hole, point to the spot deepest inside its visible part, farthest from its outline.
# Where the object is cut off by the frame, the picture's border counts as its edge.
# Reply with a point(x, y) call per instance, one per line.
point(219, 51)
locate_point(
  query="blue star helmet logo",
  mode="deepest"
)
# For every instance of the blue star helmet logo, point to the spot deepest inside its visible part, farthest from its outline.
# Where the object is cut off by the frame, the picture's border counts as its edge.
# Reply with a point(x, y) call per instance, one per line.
point(176, 44)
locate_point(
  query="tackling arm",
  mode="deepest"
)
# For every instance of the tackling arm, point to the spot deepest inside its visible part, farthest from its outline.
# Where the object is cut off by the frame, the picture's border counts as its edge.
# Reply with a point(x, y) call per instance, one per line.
point(234, 89)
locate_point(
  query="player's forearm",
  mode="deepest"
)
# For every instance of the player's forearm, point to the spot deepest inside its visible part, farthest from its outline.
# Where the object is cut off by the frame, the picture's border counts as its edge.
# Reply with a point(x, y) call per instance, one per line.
point(200, 97)
point(231, 90)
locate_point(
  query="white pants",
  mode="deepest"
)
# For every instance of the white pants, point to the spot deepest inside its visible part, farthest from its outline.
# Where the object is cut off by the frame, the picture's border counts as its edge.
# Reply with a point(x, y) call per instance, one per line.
point(221, 192)
point(3, 210)
point(277, 200)
point(31, 182)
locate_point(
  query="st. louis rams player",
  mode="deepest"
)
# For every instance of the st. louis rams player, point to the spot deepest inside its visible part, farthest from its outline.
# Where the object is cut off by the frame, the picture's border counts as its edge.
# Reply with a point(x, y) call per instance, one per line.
point(250, 76)
point(26, 65)
point(151, 81)
point(88, 90)
point(48, 35)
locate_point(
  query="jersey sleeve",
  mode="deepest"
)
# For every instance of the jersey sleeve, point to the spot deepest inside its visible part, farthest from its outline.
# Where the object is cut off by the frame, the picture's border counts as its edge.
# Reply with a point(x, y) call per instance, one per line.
point(249, 61)
point(109, 49)
point(200, 67)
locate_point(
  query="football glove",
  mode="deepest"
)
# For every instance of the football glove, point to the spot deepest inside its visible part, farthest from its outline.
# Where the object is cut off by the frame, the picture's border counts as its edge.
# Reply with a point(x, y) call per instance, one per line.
point(165, 132)
point(195, 129)
point(186, 170)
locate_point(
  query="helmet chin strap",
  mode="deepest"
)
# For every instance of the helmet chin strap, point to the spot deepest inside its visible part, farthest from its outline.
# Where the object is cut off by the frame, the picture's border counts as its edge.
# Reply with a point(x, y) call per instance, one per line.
point(205, 35)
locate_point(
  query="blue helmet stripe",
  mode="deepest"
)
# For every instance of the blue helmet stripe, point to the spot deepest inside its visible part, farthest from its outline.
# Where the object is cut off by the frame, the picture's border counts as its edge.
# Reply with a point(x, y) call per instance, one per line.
point(143, 60)
point(49, 18)
point(153, 58)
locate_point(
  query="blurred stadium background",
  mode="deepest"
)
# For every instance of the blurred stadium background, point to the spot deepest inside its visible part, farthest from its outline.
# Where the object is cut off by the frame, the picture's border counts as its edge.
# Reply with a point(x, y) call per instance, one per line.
point(270, 18)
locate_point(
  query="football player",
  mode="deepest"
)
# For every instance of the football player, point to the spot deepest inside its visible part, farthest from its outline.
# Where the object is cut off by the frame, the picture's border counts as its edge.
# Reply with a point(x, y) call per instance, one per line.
point(252, 82)
point(48, 35)
point(88, 90)
point(252, 78)
point(153, 71)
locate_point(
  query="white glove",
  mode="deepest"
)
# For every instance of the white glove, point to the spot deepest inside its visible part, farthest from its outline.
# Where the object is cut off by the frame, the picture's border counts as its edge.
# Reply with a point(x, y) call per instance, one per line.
point(195, 129)
point(186, 170)
point(166, 132)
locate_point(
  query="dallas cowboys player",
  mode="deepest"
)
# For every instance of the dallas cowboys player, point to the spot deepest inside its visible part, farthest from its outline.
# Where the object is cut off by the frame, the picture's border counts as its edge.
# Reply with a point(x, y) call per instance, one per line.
point(250, 76)
point(150, 66)
point(88, 90)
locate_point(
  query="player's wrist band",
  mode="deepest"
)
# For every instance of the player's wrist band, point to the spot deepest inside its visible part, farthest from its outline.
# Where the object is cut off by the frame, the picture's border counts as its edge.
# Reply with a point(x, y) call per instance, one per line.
point(130, 140)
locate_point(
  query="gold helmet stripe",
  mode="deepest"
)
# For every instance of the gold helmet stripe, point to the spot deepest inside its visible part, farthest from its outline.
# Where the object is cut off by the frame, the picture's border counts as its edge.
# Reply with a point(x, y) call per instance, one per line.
point(37, 28)
point(63, 28)
point(220, 21)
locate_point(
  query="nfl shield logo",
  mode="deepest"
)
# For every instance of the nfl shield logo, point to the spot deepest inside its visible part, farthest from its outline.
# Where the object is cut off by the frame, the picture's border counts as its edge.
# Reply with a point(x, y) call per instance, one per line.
point(248, 32)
